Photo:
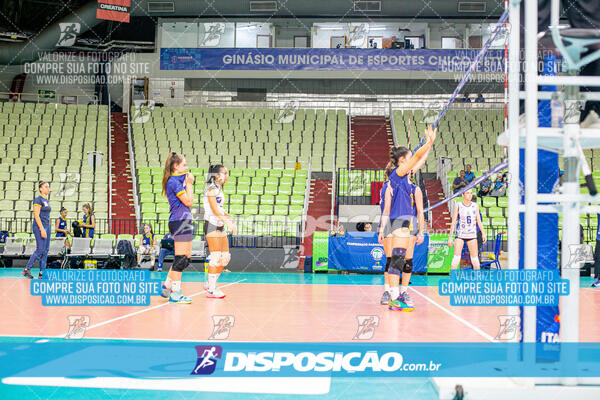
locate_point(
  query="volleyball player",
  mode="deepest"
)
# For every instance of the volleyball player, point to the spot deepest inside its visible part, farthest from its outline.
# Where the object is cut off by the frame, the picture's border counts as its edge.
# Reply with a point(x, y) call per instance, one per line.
point(147, 245)
point(215, 219)
point(398, 212)
point(385, 236)
point(41, 230)
point(467, 213)
point(88, 222)
point(178, 186)
point(60, 227)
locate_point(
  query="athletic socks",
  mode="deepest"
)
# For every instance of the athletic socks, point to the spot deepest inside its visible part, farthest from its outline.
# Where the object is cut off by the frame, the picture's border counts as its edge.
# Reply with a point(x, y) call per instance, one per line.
point(176, 286)
point(394, 292)
point(387, 287)
point(403, 289)
point(212, 282)
point(168, 283)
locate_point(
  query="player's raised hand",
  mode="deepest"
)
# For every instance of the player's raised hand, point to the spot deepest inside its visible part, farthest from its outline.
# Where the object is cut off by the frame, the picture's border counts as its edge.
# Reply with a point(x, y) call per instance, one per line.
point(189, 178)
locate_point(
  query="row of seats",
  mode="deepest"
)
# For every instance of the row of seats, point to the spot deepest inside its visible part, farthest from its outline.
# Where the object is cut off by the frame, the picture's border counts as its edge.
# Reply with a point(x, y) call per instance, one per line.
point(244, 113)
point(51, 142)
point(223, 133)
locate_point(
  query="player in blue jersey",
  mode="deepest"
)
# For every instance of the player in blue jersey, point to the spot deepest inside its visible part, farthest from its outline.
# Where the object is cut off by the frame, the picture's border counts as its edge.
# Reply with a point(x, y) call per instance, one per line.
point(41, 230)
point(61, 227)
point(596, 282)
point(386, 234)
point(88, 222)
point(147, 245)
point(178, 186)
point(398, 212)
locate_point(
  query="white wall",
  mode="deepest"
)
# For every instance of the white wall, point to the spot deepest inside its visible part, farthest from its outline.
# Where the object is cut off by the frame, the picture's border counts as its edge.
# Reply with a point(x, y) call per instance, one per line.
point(245, 33)
point(436, 31)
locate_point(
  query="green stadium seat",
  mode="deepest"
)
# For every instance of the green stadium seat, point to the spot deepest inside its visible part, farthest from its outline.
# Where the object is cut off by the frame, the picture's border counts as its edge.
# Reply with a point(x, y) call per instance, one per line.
point(265, 209)
point(282, 199)
point(503, 202)
point(489, 201)
point(257, 189)
point(296, 209)
point(252, 199)
point(251, 209)
point(236, 199)
point(267, 199)
point(243, 189)
point(280, 209)
point(236, 209)
point(271, 190)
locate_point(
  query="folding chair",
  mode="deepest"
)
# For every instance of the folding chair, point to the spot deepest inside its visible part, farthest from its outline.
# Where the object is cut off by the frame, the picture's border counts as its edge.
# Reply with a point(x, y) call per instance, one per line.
point(497, 249)
point(14, 246)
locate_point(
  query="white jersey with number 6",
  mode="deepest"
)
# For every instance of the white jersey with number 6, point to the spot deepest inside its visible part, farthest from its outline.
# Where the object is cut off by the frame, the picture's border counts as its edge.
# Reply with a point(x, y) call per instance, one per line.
point(467, 221)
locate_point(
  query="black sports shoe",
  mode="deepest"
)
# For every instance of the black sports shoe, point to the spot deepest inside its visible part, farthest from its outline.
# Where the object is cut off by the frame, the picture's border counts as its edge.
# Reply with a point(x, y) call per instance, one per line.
point(27, 274)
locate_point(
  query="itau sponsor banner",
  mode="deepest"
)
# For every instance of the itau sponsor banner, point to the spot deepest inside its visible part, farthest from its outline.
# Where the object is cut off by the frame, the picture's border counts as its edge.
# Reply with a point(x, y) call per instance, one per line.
point(329, 59)
point(114, 10)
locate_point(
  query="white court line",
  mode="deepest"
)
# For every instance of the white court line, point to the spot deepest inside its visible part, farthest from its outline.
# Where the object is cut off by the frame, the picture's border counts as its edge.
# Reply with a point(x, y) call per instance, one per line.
point(453, 315)
point(147, 309)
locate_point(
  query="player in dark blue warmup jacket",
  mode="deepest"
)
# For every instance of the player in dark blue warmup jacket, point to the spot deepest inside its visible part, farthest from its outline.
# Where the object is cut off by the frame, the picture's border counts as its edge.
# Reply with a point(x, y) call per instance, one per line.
point(178, 186)
point(41, 230)
point(398, 212)
point(88, 222)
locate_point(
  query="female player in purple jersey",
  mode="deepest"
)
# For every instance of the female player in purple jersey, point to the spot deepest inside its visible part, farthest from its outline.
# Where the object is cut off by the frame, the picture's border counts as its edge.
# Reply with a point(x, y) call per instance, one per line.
point(398, 212)
point(178, 186)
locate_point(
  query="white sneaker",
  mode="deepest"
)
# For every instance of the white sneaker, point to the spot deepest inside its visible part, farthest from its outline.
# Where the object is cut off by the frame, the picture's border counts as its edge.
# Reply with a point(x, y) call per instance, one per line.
point(592, 121)
point(216, 294)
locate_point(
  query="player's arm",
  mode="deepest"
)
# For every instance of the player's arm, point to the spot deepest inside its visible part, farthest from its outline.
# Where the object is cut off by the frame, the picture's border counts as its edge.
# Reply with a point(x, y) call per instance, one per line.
point(187, 196)
point(36, 216)
point(56, 229)
point(385, 216)
point(452, 226)
point(480, 224)
point(421, 154)
point(420, 214)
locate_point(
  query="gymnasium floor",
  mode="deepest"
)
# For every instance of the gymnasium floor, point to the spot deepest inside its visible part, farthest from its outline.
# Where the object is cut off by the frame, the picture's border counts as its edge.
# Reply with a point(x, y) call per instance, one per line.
point(266, 307)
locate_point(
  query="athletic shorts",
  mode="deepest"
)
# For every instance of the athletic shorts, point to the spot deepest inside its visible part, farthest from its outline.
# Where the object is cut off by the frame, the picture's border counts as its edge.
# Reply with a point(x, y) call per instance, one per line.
point(410, 223)
point(387, 230)
point(466, 240)
point(210, 227)
point(182, 231)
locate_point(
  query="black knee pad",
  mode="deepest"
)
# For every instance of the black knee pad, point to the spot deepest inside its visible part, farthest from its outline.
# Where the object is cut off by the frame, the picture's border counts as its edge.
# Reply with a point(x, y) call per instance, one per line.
point(398, 261)
point(408, 266)
point(387, 264)
point(180, 263)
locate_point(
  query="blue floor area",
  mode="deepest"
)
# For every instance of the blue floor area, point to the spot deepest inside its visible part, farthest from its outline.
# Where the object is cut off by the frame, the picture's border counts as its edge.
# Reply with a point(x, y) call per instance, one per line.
point(294, 278)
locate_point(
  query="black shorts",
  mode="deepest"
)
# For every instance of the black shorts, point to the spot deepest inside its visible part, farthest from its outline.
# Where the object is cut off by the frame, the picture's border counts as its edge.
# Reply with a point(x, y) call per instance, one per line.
point(182, 231)
point(209, 228)
point(466, 240)
point(409, 222)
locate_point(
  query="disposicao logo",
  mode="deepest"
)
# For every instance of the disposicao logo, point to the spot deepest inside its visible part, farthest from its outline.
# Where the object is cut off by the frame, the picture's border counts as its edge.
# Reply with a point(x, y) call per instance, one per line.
point(207, 359)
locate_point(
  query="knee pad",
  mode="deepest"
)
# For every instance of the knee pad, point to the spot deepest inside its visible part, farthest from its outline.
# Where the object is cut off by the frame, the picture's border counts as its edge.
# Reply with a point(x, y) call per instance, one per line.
point(225, 258)
point(475, 262)
point(408, 266)
point(215, 259)
point(398, 261)
point(180, 263)
point(387, 264)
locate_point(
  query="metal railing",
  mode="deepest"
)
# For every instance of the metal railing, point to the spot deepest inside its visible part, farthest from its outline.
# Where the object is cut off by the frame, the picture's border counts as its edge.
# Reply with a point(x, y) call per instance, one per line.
point(354, 186)
point(136, 203)
point(252, 232)
point(306, 197)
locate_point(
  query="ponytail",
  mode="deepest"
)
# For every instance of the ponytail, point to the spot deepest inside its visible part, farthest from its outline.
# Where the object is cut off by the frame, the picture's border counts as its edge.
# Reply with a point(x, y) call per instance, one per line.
point(213, 170)
point(388, 170)
point(172, 160)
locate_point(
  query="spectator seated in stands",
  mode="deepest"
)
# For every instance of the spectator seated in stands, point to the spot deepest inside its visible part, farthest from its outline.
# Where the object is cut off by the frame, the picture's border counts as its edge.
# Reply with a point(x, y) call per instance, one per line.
point(459, 182)
point(479, 99)
point(147, 245)
point(466, 98)
point(60, 227)
point(499, 189)
point(167, 248)
point(88, 222)
point(364, 227)
point(469, 175)
point(485, 187)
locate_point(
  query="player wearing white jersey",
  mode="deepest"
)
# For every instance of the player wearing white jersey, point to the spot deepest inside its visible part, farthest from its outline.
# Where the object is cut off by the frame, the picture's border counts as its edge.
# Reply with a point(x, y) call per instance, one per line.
point(215, 218)
point(468, 217)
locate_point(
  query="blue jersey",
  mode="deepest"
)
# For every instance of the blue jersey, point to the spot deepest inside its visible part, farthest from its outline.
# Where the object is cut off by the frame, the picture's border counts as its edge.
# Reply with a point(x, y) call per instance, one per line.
point(403, 197)
point(176, 187)
point(147, 240)
point(62, 224)
point(44, 206)
point(414, 199)
point(598, 231)
point(87, 232)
